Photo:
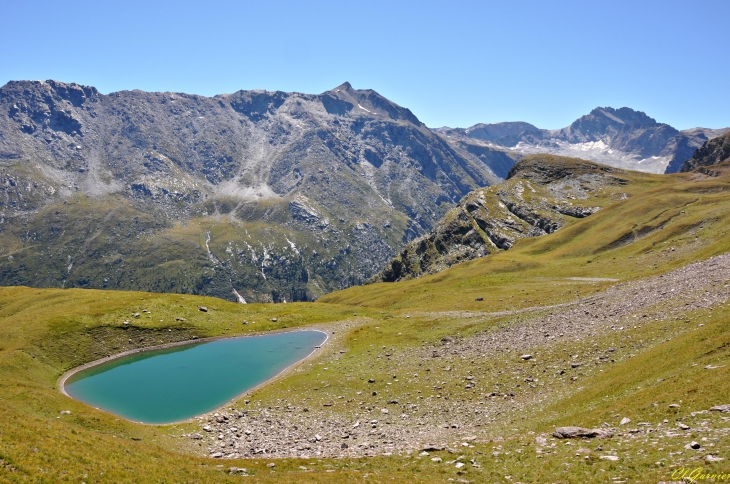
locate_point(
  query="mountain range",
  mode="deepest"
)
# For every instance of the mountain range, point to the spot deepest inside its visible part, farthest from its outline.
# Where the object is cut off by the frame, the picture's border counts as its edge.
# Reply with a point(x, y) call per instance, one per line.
point(256, 195)
point(623, 138)
point(250, 196)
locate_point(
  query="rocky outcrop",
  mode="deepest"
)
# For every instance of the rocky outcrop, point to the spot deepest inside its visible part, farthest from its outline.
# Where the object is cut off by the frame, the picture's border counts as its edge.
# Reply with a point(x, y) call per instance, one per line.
point(713, 152)
point(542, 193)
point(270, 196)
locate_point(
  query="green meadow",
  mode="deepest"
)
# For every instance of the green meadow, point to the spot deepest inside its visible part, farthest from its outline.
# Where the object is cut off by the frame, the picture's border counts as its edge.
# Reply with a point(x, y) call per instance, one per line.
point(664, 223)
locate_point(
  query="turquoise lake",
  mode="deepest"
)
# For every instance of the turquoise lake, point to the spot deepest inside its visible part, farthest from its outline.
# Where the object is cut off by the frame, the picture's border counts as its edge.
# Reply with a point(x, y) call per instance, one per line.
point(173, 384)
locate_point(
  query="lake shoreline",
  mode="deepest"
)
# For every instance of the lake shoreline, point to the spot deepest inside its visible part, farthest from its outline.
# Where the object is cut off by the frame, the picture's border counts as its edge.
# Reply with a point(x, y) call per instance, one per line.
point(68, 374)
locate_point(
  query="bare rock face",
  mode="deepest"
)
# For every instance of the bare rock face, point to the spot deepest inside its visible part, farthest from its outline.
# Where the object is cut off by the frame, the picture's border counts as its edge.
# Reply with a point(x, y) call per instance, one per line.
point(541, 194)
point(250, 196)
point(712, 152)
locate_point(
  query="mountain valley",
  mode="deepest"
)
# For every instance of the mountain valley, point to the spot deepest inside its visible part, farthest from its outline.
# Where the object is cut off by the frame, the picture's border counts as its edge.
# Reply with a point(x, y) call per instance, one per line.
point(599, 349)
point(263, 196)
point(549, 318)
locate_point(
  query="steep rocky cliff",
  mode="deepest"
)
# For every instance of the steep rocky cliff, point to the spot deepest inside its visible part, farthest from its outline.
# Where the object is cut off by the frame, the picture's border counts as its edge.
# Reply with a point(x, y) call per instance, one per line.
point(713, 152)
point(253, 195)
point(542, 193)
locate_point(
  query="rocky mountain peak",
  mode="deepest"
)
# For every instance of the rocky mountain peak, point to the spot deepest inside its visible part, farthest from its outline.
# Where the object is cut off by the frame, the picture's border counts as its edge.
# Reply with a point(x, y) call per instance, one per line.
point(345, 86)
point(345, 100)
point(622, 137)
point(625, 116)
point(607, 121)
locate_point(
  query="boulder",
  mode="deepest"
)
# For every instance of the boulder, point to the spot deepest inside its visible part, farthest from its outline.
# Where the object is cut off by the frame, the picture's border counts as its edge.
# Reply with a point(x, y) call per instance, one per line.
point(721, 408)
point(580, 432)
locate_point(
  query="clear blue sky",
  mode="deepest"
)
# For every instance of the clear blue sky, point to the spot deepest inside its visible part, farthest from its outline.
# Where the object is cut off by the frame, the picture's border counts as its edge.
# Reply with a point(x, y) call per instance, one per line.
point(452, 63)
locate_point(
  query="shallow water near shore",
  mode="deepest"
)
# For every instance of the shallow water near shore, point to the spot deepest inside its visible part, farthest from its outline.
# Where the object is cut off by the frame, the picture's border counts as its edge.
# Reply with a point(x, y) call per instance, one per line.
point(174, 384)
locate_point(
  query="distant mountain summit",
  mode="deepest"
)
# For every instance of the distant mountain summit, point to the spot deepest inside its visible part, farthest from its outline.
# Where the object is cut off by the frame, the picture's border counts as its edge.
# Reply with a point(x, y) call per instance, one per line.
point(491, 131)
point(622, 138)
point(366, 102)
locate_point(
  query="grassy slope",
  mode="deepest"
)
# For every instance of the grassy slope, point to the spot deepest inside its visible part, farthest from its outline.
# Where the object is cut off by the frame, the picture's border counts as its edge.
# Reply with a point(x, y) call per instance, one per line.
point(108, 243)
point(45, 332)
point(632, 239)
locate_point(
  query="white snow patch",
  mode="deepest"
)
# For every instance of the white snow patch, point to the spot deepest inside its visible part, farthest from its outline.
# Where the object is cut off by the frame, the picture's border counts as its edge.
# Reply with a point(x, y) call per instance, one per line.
point(263, 262)
point(597, 151)
point(291, 244)
point(233, 189)
point(609, 115)
point(253, 253)
point(240, 298)
point(358, 105)
point(207, 247)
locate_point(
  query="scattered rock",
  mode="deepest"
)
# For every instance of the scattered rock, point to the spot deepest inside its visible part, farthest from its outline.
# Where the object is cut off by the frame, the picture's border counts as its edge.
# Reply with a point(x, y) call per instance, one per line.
point(65, 412)
point(674, 405)
point(682, 426)
point(433, 448)
point(203, 309)
point(712, 458)
point(625, 421)
point(579, 432)
point(526, 357)
point(196, 436)
point(721, 408)
point(610, 457)
point(693, 445)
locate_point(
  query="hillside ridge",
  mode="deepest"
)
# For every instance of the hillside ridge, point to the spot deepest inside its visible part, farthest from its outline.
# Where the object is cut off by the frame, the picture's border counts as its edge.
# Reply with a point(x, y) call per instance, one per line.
point(542, 193)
